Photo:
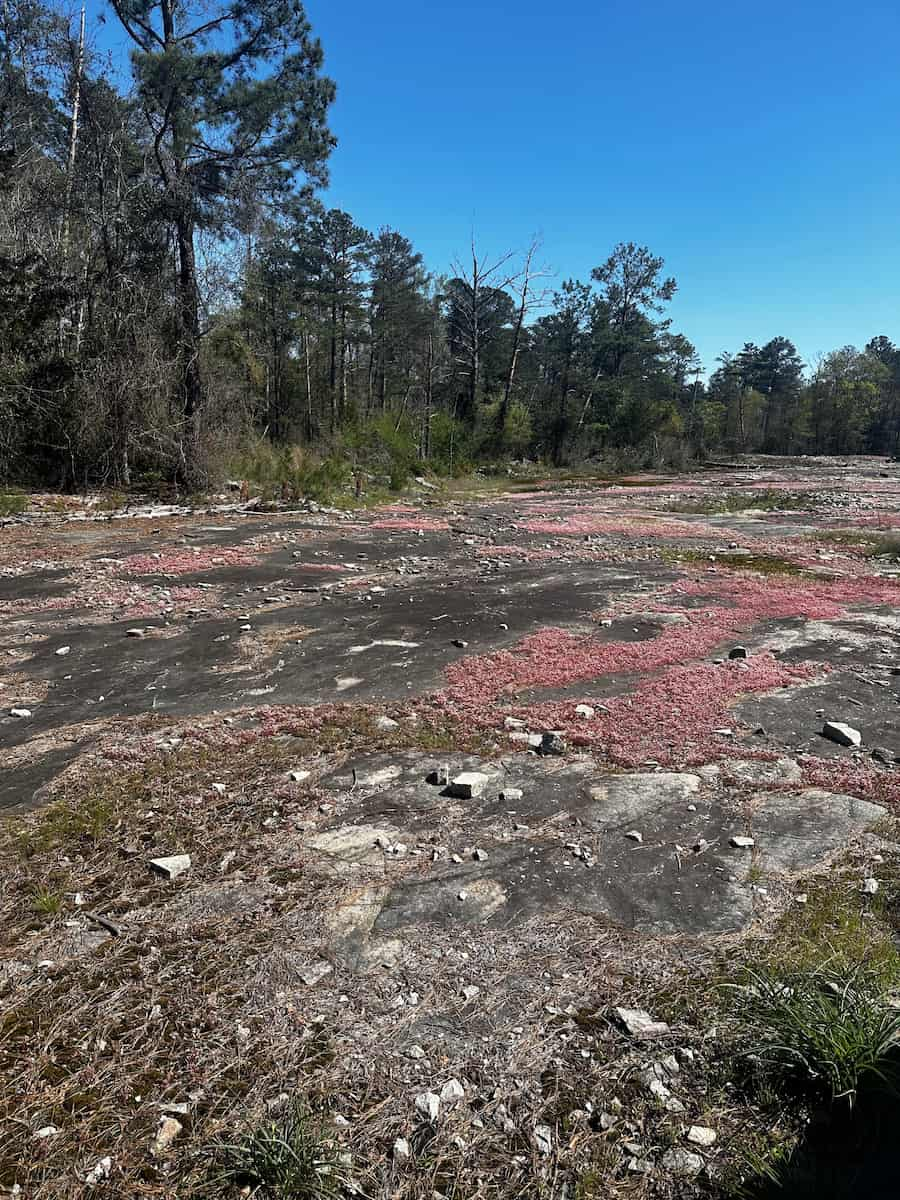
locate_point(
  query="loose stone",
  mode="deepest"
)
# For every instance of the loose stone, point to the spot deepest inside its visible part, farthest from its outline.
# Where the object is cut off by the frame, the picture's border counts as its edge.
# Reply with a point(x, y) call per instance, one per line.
point(843, 735)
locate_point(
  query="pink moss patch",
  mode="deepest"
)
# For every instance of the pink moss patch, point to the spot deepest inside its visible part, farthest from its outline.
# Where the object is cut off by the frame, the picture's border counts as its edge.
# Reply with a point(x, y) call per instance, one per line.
point(411, 525)
point(587, 524)
point(185, 562)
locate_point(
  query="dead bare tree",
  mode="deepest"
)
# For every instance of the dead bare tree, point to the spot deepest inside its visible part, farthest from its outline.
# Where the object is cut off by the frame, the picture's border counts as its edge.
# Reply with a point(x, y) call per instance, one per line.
point(528, 299)
point(478, 298)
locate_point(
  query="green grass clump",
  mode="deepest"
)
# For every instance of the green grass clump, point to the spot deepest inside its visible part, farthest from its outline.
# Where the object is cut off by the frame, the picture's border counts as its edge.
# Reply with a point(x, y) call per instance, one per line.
point(864, 541)
point(731, 502)
point(825, 1030)
point(46, 902)
point(12, 503)
point(763, 564)
point(286, 1158)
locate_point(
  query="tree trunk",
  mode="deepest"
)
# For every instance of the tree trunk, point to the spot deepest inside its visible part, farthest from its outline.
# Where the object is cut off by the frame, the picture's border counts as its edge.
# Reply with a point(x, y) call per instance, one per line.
point(190, 380)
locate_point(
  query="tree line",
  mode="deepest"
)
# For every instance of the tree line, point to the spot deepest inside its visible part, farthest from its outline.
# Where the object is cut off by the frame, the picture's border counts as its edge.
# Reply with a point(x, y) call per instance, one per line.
point(174, 297)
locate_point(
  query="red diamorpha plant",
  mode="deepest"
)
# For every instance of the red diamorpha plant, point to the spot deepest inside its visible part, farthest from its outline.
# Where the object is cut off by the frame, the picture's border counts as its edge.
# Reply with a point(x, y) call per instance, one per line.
point(132, 600)
point(680, 700)
point(586, 524)
point(411, 524)
point(185, 562)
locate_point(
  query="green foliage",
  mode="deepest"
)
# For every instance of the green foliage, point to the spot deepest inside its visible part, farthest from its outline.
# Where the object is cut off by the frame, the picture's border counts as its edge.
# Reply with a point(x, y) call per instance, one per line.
point(732, 501)
point(67, 821)
point(12, 503)
point(824, 1030)
point(387, 443)
point(325, 480)
point(451, 445)
point(47, 902)
point(286, 1158)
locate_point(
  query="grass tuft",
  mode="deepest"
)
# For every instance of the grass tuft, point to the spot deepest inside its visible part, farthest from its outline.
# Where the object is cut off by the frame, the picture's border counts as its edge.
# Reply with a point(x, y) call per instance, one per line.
point(286, 1158)
point(824, 1031)
point(12, 503)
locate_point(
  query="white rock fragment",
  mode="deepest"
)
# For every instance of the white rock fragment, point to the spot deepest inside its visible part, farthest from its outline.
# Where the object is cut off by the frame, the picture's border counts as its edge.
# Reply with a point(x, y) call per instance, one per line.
point(700, 1135)
point(543, 1139)
point(742, 843)
point(640, 1024)
point(844, 735)
point(46, 1131)
point(468, 785)
point(401, 1150)
point(480, 855)
point(682, 1162)
point(584, 711)
point(298, 776)
point(509, 795)
point(63, 651)
point(168, 1131)
point(429, 1105)
point(219, 789)
point(21, 713)
point(870, 886)
point(171, 866)
point(100, 1171)
point(314, 973)
point(471, 991)
point(452, 1091)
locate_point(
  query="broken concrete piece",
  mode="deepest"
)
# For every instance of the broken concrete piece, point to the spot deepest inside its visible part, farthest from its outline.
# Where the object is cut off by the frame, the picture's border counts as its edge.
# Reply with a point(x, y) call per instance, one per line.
point(639, 1023)
point(843, 735)
point(171, 866)
point(21, 713)
point(742, 843)
point(468, 785)
point(511, 794)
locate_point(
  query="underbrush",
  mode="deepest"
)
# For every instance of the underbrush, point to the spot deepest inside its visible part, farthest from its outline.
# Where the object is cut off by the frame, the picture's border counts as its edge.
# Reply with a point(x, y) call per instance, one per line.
point(762, 564)
point(863, 541)
point(732, 502)
point(12, 503)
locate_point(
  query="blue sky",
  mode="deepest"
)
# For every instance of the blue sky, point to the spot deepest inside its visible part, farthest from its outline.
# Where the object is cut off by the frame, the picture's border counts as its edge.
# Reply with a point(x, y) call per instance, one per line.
point(753, 146)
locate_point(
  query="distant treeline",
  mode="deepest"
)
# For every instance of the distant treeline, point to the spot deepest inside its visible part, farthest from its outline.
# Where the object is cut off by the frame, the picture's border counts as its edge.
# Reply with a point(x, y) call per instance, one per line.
point(173, 297)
